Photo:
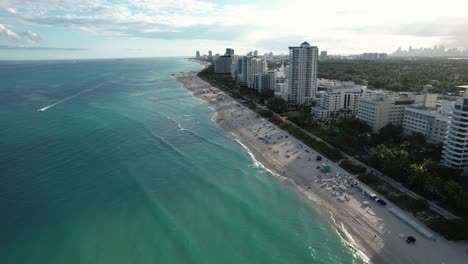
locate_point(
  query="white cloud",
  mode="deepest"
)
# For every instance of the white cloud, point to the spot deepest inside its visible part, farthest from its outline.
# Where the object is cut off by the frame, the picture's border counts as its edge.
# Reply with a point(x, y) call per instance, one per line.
point(339, 25)
point(27, 37)
point(185, 6)
point(10, 10)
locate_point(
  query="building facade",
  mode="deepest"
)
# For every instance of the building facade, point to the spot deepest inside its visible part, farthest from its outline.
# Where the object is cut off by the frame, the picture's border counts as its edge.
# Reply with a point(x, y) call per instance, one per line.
point(281, 88)
point(433, 125)
point(340, 101)
point(229, 52)
point(381, 110)
point(210, 56)
point(223, 64)
point(267, 81)
point(256, 66)
point(455, 150)
point(302, 75)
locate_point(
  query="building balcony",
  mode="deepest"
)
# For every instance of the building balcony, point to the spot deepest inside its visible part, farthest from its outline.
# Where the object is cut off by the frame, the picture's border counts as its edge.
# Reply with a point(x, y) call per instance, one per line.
point(456, 148)
point(458, 154)
point(460, 111)
point(451, 142)
point(458, 128)
point(457, 137)
point(451, 163)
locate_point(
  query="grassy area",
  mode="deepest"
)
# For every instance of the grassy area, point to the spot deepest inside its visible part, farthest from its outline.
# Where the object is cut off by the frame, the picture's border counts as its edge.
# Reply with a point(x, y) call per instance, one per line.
point(352, 167)
point(450, 229)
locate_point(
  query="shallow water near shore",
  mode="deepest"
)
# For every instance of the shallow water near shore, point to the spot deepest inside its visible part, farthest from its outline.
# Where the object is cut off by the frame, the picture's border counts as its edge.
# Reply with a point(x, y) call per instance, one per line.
point(125, 166)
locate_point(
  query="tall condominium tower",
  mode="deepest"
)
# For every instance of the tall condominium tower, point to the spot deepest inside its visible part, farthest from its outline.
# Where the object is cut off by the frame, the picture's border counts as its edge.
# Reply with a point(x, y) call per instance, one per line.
point(454, 152)
point(302, 74)
point(197, 54)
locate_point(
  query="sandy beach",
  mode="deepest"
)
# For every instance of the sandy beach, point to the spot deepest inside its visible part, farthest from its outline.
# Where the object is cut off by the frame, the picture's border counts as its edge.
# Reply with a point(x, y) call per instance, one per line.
point(372, 231)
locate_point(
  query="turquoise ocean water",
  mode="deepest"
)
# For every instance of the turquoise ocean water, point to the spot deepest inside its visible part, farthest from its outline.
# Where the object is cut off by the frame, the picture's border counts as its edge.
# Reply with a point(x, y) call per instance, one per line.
point(128, 167)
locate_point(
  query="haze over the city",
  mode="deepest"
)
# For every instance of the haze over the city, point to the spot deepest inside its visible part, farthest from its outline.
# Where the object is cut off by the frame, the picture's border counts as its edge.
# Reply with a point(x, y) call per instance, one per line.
point(47, 29)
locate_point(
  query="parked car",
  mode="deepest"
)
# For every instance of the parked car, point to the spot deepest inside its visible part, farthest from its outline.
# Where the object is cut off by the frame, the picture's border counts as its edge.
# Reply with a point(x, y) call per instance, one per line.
point(318, 158)
point(382, 202)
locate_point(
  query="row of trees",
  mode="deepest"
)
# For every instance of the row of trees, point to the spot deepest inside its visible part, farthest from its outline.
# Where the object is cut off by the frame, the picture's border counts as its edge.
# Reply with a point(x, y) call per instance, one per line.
point(417, 166)
point(408, 159)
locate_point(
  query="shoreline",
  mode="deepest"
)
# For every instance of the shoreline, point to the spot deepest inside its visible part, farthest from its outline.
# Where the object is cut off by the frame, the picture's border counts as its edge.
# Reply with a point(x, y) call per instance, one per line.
point(372, 233)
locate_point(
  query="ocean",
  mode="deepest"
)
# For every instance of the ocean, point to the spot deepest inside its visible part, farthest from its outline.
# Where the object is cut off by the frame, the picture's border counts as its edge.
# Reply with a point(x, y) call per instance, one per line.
point(123, 165)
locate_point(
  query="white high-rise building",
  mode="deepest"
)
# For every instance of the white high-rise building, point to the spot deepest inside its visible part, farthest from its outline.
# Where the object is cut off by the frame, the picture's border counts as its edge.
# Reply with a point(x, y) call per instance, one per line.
point(455, 150)
point(302, 75)
point(382, 110)
point(341, 100)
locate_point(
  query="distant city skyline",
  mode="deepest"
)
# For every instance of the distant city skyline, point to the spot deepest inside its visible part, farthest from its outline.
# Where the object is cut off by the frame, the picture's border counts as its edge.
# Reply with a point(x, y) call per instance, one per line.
point(47, 29)
point(436, 51)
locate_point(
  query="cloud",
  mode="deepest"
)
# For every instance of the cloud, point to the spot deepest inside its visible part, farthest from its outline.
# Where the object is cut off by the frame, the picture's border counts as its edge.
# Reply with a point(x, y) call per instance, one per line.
point(200, 32)
point(27, 37)
point(187, 6)
point(159, 19)
point(451, 31)
point(10, 10)
point(334, 24)
point(7, 47)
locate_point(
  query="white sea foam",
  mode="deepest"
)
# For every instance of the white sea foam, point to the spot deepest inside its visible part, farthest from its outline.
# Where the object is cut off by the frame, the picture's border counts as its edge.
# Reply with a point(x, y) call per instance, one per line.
point(257, 163)
point(214, 117)
point(349, 241)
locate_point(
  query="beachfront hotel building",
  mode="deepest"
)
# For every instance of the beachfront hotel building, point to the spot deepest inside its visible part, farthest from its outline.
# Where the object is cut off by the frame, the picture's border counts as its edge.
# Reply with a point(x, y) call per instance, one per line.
point(340, 99)
point(381, 110)
point(302, 75)
point(455, 149)
point(429, 122)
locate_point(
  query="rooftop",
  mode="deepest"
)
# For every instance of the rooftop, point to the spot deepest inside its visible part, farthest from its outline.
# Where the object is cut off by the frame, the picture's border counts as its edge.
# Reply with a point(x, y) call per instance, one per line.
point(305, 44)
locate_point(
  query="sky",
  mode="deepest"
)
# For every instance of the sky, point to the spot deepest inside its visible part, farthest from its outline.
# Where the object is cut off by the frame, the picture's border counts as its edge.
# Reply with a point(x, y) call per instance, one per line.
point(75, 29)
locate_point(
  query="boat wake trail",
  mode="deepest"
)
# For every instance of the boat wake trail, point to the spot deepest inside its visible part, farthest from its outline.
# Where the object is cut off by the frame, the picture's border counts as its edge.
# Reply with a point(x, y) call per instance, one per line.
point(175, 122)
point(45, 108)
